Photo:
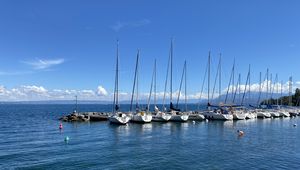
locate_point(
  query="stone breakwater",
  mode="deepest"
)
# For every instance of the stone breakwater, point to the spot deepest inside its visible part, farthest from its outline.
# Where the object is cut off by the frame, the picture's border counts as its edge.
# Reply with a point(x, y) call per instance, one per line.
point(85, 116)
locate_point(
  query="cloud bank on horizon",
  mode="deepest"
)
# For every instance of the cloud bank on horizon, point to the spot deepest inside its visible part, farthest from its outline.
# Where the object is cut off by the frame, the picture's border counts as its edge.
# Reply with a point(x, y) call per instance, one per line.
point(40, 93)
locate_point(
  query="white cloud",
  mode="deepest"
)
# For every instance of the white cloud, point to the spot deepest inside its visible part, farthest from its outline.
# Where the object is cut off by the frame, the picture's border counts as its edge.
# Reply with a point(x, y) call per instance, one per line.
point(35, 93)
point(101, 91)
point(120, 25)
point(40, 64)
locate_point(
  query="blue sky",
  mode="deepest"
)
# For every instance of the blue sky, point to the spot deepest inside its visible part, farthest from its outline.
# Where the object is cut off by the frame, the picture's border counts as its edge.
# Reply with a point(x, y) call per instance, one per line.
point(71, 45)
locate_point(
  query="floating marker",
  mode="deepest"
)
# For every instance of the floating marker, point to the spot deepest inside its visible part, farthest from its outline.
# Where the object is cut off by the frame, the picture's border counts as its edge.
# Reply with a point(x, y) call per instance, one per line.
point(67, 138)
point(60, 126)
point(194, 122)
point(206, 120)
point(241, 133)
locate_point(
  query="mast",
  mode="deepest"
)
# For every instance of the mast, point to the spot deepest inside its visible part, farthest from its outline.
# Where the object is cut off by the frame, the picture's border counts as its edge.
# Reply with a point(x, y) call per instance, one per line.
point(246, 86)
point(230, 80)
point(290, 90)
point(116, 91)
point(181, 81)
point(220, 72)
point(216, 78)
point(166, 82)
point(249, 84)
point(155, 82)
point(267, 86)
point(185, 86)
point(258, 101)
point(277, 89)
point(233, 72)
point(239, 87)
point(150, 93)
point(171, 74)
point(281, 92)
point(202, 87)
point(134, 80)
point(76, 106)
point(208, 79)
point(137, 82)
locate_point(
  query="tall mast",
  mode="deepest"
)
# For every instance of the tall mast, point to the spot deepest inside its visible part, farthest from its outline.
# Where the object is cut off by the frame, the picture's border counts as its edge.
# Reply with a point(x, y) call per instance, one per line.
point(230, 81)
point(239, 87)
point(171, 74)
point(220, 72)
point(155, 82)
point(281, 92)
point(181, 81)
point(290, 90)
point(249, 84)
point(166, 81)
point(137, 81)
point(185, 86)
point(76, 106)
point(208, 79)
point(258, 101)
point(116, 91)
point(277, 89)
point(267, 86)
point(134, 80)
point(150, 93)
point(233, 73)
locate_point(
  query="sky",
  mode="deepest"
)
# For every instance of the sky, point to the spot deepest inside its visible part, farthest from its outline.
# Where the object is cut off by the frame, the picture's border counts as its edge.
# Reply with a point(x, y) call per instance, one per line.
point(55, 49)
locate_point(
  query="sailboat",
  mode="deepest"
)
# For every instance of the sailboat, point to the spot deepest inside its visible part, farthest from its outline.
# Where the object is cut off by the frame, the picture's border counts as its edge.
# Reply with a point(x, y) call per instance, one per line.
point(117, 117)
point(263, 113)
point(176, 115)
point(157, 115)
point(139, 116)
point(219, 113)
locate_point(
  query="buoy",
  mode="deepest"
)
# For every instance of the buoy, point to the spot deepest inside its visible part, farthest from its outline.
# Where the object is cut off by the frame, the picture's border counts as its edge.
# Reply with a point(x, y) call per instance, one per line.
point(206, 120)
point(241, 133)
point(67, 138)
point(295, 125)
point(194, 122)
point(60, 126)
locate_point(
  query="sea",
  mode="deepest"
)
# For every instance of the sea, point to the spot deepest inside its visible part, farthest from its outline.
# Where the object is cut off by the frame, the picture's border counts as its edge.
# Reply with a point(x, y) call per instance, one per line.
point(30, 139)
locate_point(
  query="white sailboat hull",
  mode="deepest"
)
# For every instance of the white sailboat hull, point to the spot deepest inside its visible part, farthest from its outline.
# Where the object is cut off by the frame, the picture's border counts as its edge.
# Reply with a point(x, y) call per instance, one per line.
point(179, 118)
point(239, 116)
point(263, 115)
point(284, 114)
point(161, 118)
point(217, 116)
point(121, 120)
point(251, 115)
point(141, 118)
point(275, 114)
point(196, 116)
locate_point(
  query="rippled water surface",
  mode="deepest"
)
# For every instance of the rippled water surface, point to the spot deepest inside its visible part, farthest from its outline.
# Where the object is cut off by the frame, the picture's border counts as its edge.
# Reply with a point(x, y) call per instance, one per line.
point(30, 139)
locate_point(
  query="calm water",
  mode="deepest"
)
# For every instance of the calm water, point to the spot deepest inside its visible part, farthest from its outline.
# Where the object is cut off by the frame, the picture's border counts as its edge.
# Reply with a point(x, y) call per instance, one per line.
point(30, 139)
